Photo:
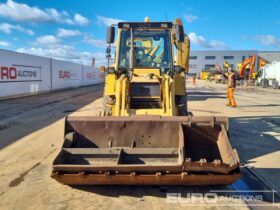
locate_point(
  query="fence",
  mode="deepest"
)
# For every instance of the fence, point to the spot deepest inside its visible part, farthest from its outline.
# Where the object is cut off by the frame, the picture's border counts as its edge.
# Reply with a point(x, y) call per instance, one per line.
point(22, 74)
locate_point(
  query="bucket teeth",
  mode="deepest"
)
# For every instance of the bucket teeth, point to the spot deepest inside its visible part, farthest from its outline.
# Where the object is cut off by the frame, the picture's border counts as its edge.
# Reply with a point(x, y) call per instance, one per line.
point(82, 173)
point(184, 174)
point(202, 161)
point(217, 162)
point(158, 175)
point(132, 175)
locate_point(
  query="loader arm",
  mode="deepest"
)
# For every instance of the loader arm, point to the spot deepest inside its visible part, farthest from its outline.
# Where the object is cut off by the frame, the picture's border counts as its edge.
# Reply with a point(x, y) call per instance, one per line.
point(124, 100)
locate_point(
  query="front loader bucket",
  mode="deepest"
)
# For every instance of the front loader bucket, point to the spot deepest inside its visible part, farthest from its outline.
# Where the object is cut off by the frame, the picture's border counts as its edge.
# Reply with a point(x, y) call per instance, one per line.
point(146, 150)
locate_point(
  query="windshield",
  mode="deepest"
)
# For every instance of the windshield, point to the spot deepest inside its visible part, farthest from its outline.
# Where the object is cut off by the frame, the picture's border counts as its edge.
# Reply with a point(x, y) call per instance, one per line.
point(151, 49)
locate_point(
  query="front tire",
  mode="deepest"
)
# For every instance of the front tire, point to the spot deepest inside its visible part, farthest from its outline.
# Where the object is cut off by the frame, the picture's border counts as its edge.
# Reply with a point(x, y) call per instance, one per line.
point(108, 102)
point(182, 105)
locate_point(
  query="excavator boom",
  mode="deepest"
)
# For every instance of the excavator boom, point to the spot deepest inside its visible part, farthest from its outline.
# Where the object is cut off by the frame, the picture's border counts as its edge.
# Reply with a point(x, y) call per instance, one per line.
point(249, 61)
point(252, 61)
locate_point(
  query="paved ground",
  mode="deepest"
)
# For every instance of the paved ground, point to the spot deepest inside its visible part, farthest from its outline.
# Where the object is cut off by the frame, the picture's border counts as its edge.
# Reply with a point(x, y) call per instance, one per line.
point(31, 133)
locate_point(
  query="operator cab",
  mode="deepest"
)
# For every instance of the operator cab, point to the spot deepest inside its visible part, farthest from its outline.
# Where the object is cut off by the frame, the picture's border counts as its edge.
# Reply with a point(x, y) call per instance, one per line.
point(151, 48)
point(144, 53)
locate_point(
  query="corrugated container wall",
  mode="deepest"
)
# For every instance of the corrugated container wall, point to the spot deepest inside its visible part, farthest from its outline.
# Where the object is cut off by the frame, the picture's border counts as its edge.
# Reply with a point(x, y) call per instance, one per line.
point(22, 74)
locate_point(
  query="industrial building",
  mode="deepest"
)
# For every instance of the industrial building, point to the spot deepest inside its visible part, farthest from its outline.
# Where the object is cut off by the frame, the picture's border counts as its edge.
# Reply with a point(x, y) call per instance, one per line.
point(203, 60)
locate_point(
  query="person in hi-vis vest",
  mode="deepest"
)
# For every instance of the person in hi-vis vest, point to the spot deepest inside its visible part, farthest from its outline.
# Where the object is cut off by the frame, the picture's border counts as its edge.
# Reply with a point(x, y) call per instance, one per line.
point(230, 90)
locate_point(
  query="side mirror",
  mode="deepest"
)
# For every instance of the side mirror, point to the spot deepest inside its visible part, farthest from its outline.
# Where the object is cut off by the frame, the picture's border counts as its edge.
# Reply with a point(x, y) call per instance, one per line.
point(102, 68)
point(110, 35)
point(180, 35)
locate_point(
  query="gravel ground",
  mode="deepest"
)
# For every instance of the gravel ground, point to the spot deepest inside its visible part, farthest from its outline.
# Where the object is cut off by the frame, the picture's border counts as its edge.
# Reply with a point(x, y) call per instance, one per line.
point(31, 134)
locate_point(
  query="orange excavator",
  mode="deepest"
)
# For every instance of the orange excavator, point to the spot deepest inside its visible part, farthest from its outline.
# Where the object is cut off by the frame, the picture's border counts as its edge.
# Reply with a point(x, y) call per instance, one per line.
point(218, 67)
point(262, 62)
point(252, 62)
point(219, 74)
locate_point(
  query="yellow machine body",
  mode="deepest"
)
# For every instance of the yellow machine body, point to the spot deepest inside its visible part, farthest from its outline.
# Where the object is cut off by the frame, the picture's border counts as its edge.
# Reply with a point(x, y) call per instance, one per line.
point(146, 136)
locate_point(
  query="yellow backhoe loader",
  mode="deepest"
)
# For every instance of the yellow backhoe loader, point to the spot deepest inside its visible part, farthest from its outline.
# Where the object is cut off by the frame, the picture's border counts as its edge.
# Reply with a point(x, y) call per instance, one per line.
point(145, 136)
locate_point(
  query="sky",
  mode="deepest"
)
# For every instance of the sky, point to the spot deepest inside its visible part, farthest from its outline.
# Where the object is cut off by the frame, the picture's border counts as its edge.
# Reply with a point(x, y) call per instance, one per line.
point(75, 30)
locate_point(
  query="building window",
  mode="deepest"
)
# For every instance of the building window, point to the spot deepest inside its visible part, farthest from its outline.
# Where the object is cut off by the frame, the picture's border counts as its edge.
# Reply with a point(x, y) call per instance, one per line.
point(193, 57)
point(193, 66)
point(209, 66)
point(210, 57)
point(228, 57)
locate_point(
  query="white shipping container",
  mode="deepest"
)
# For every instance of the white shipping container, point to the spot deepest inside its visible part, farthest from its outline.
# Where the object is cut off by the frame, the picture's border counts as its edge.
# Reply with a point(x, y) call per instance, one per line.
point(66, 75)
point(101, 77)
point(22, 74)
point(270, 73)
point(90, 76)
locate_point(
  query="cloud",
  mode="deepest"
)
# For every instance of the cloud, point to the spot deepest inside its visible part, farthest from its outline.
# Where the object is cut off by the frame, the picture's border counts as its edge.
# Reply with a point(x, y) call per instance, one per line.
point(61, 32)
point(8, 28)
point(190, 18)
point(101, 20)
point(52, 47)
point(95, 42)
point(210, 44)
point(66, 53)
point(47, 40)
point(80, 19)
point(25, 13)
point(268, 40)
point(4, 44)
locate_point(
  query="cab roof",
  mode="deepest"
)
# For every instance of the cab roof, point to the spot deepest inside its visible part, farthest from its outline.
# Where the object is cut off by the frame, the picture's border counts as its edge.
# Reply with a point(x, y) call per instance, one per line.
point(145, 25)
